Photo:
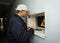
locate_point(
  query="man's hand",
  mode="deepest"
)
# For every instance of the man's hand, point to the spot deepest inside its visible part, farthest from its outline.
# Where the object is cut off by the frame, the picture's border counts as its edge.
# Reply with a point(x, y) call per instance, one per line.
point(29, 28)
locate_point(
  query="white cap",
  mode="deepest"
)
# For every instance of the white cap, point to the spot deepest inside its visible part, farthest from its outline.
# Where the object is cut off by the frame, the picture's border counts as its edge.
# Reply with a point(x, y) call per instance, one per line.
point(22, 7)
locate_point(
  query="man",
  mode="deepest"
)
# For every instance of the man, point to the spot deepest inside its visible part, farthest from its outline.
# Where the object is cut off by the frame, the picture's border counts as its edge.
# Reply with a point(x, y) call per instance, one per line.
point(17, 29)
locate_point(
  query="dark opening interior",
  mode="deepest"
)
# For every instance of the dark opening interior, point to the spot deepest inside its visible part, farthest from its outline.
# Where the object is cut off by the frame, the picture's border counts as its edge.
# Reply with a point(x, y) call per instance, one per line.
point(39, 21)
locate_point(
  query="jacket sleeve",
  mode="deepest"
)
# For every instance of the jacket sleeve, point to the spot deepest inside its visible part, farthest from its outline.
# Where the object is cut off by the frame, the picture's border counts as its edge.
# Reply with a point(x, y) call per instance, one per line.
point(19, 32)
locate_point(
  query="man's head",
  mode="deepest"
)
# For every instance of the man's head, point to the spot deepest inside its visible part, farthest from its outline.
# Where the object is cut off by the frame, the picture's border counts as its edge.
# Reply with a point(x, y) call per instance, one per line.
point(22, 10)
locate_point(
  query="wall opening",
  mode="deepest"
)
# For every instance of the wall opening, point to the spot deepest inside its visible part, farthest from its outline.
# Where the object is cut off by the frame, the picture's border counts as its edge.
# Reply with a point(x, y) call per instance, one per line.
point(37, 21)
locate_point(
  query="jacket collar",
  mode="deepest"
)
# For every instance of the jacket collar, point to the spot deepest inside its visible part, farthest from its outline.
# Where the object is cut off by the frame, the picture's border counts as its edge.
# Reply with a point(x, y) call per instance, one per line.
point(18, 17)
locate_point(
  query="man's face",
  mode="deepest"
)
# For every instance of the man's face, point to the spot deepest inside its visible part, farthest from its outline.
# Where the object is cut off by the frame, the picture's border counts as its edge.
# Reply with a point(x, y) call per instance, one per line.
point(23, 13)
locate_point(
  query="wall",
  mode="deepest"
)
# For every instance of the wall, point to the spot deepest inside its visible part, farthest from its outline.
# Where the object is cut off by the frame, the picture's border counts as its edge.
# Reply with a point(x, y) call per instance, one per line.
point(52, 13)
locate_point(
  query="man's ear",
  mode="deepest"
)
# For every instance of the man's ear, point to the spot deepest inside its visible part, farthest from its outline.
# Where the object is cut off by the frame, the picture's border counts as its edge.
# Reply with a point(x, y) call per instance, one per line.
point(21, 11)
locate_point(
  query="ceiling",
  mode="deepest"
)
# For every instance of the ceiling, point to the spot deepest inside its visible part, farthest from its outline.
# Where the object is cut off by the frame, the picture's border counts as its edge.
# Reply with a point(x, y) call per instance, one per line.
point(5, 6)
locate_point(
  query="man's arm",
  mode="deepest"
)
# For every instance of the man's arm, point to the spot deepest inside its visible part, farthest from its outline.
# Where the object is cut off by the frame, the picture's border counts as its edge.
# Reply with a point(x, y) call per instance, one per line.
point(20, 33)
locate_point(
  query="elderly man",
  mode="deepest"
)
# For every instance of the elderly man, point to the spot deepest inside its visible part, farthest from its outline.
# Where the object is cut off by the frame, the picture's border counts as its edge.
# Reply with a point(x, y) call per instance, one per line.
point(17, 29)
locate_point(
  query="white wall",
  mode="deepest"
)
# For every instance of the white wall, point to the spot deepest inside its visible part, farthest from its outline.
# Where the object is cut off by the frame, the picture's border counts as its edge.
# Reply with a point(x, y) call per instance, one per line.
point(52, 15)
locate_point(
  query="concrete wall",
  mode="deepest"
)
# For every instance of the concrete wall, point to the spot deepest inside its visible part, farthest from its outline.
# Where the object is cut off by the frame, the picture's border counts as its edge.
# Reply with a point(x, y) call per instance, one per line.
point(52, 15)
